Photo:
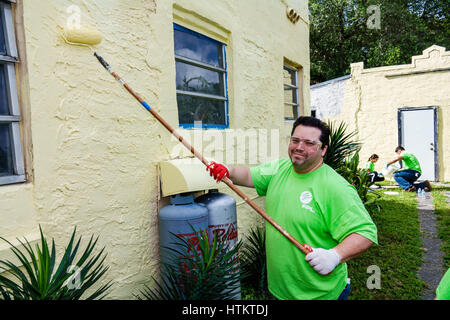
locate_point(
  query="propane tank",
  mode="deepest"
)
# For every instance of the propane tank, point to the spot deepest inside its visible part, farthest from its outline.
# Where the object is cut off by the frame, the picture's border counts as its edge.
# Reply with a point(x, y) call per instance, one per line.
point(222, 220)
point(180, 217)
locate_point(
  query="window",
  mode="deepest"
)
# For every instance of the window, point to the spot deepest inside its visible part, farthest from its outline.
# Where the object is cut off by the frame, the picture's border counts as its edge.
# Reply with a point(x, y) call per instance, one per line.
point(11, 161)
point(291, 96)
point(201, 79)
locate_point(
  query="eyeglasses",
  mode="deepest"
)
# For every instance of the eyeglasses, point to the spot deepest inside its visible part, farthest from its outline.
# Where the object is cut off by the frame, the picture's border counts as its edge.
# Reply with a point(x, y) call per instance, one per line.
point(310, 144)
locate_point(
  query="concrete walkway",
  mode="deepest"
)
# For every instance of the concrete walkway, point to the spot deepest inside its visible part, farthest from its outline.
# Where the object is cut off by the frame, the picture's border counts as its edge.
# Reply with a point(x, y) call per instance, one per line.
point(432, 269)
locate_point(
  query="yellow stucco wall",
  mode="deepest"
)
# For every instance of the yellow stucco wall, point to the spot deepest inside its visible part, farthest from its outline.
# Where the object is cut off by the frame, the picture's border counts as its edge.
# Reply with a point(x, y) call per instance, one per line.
point(92, 151)
point(373, 96)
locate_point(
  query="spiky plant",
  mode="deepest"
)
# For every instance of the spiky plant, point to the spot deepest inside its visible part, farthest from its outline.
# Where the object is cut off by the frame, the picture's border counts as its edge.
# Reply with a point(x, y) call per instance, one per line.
point(341, 145)
point(209, 271)
point(253, 262)
point(42, 279)
point(358, 177)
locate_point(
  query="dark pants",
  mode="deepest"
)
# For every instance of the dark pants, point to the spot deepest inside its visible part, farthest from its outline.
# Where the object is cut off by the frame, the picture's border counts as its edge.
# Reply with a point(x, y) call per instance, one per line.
point(374, 177)
point(345, 293)
point(406, 179)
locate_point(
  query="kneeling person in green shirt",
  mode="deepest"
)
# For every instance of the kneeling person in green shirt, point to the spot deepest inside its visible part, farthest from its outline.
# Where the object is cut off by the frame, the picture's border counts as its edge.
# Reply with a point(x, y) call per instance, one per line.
point(316, 206)
point(411, 172)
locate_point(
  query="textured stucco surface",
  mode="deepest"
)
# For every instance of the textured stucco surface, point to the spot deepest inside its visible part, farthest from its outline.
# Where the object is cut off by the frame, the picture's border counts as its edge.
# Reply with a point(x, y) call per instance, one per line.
point(327, 98)
point(371, 98)
point(95, 150)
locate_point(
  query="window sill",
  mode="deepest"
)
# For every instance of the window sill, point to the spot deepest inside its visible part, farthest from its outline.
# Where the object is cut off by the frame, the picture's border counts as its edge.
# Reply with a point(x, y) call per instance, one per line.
point(204, 127)
point(12, 179)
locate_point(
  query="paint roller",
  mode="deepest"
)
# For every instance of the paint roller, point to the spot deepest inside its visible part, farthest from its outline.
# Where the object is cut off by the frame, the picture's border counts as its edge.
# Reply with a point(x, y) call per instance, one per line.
point(90, 37)
point(82, 36)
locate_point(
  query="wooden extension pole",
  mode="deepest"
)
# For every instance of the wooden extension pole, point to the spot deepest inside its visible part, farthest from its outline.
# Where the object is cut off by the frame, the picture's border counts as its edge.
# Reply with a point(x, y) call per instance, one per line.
point(226, 180)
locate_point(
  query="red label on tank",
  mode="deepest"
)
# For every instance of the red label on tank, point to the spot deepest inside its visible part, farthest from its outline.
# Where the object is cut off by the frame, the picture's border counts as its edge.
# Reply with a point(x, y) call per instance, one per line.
point(192, 241)
point(232, 232)
point(223, 229)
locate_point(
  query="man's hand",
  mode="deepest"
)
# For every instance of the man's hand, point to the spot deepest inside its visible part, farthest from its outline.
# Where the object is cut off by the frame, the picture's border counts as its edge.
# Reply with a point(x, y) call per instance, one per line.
point(322, 260)
point(218, 171)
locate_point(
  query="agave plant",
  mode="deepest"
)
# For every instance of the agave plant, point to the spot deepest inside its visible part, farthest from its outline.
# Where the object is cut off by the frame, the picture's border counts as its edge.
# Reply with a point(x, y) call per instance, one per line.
point(343, 156)
point(253, 262)
point(341, 145)
point(42, 279)
point(359, 178)
point(208, 272)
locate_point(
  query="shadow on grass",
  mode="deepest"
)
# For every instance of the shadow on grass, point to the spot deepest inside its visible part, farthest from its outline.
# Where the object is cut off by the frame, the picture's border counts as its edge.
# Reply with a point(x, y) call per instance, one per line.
point(442, 211)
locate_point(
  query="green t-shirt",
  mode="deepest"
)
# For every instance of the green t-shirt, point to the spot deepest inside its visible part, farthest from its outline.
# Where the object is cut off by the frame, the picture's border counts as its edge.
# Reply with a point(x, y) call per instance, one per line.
point(371, 166)
point(320, 209)
point(443, 289)
point(410, 161)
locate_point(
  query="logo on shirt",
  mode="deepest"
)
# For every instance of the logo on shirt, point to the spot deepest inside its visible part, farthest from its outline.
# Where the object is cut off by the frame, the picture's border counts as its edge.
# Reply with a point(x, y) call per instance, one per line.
point(306, 198)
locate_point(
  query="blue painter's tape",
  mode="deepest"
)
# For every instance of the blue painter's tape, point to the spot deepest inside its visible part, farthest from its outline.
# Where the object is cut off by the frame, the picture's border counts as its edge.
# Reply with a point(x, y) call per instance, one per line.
point(146, 106)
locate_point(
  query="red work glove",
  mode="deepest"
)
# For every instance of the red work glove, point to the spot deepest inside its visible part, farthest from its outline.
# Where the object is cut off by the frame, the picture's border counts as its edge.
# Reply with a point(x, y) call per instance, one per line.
point(218, 171)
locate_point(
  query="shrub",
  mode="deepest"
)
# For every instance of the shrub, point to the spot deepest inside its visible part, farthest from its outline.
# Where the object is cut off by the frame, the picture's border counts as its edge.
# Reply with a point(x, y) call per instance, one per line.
point(253, 263)
point(41, 281)
point(208, 272)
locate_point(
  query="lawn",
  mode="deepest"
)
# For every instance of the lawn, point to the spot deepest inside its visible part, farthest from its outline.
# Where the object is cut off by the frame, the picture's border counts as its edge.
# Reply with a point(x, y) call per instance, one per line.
point(442, 210)
point(398, 253)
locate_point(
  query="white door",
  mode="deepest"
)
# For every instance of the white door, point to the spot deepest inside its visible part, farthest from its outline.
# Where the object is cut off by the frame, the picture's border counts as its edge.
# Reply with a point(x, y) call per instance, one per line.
point(418, 128)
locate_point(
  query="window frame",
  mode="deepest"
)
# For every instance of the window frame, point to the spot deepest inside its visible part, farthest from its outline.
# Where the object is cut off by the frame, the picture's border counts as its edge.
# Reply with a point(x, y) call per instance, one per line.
point(294, 87)
point(207, 66)
point(13, 119)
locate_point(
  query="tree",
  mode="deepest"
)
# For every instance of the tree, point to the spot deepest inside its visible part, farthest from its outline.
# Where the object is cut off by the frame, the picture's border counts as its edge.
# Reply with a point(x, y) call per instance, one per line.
point(340, 33)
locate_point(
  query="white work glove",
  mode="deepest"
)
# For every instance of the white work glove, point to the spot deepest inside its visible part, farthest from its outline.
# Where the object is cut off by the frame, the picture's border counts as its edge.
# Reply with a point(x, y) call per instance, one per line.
point(322, 260)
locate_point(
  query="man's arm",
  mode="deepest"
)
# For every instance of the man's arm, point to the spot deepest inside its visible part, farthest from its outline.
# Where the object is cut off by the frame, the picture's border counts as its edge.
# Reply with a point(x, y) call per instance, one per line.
point(352, 246)
point(241, 176)
point(393, 161)
point(324, 261)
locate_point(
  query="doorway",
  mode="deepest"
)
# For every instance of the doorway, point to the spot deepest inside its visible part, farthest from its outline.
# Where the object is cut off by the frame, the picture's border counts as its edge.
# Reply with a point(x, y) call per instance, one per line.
point(418, 134)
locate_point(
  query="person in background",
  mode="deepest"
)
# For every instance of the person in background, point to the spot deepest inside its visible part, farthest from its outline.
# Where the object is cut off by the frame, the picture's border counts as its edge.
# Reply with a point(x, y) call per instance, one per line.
point(370, 167)
point(411, 172)
point(443, 289)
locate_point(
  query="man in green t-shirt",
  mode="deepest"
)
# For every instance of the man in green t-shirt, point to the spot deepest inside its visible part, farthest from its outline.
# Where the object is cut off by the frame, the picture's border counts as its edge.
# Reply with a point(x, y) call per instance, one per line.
point(412, 171)
point(316, 206)
point(443, 289)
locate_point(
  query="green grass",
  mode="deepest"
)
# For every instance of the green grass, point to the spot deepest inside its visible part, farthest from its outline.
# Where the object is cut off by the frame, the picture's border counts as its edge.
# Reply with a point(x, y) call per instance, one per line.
point(442, 210)
point(398, 253)
point(248, 293)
